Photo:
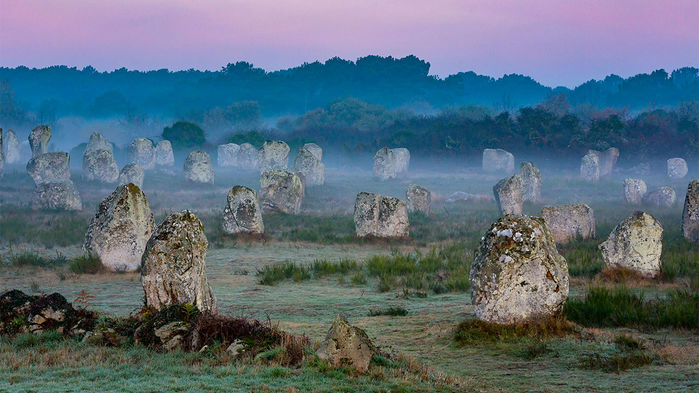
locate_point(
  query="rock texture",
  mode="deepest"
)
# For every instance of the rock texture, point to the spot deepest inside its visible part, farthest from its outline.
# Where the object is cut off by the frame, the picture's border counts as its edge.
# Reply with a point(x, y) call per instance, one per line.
point(635, 244)
point(11, 147)
point(39, 140)
point(49, 167)
point(498, 160)
point(676, 168)
point(661, 197)
point(227, 155)
point(531, 178)
point(312, 169)
point(56, 196)
point(607, 162)
point(380, 216)
point(402, 156)
point(385, 164)
point(274, 155)
point(132, 173)
point(248, 157)
point(509, 194)
point(634, 190)
point(690, 214)
point(198, 168)
point(173, 269)
point(121, 228)
point(281, 192)
point(590, 166)
point(347, 345)
point(164, 157)
point(242, 212)
point(142, 152)
point(419, 199)
point(568, 222)
point(316, 150)
point(517, 274)
point(99, 165)
point(98, 142)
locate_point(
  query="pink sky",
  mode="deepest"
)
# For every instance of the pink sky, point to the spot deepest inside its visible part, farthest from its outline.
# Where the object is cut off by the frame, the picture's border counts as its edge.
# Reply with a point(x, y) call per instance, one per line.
point(562, 42)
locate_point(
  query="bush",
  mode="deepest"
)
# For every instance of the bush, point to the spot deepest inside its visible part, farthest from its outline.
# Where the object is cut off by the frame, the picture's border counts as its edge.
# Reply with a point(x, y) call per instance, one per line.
point(395, 311)
point(253, 137)
point(184, 135)
point(86, 264)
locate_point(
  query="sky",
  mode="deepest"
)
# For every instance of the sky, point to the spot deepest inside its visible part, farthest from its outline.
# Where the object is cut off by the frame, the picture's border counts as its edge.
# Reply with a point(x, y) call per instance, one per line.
point(557, 42)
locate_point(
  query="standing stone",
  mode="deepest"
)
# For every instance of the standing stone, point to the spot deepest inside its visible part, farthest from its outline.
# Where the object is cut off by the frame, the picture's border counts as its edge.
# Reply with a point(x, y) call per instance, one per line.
point(281, 192)
point(121, 228)
point(690, 214)
point(509, 194)
point(274, 155)
point(227, 155)
point(661, 197)
point(312, 169)
point(517, 274)
point(380, 216)
point(385, 166)
point(607, 161)
point(197, 167)
point(567, 222)
point(676, 168)
point(11, 147)
point(531, 178)
point(173, 268)
point(635, 244)
point(419, 199)
point(346, 344)
point(98, 142)
point(402, 156)
point(248, 157)
point(242, 213)
point(164, 157)
point(142, 152)
point(132, 173)
point(590, 166)
point(99, 165)
point(49, 167)
point(498, 160)
point(61, 195)
point(634, 190)
point(39, 140)
point(315, 150)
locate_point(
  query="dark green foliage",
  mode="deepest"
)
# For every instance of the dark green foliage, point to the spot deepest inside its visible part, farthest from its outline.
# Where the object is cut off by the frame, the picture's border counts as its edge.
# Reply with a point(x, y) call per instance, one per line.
point(252, 137)
point(27, 340)
point(30, 258)
point(86, 264)
point(184, 135)
point(475, 332)
point(272, 274)
point(395, 311)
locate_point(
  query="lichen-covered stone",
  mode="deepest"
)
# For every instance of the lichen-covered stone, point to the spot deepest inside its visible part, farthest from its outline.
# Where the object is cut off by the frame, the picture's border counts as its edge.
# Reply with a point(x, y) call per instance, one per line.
point(419, 199)
point(11, 147)
point(142, 152)
point(634, 190)
point(49, 167)
point(517, 274)
point(509, 195)
point(132, 173)
point(380, 216)
point(690, 214)
point(347, 345)
point(315, 150)
point(281, 192)
point(99, 165)
point(98, 142)
point(248, 157)
point(676, 168)
point(312, 169)
point(198, 168)
point(531, 178)
point(590, 166)
point(568, 222)
point(385, 166)
point(498, 160)
point(661, 197)
point(56, 196)
point(227, 155)
point(164, 157)
point(39, 140)
point(173, 268)
point(274, 155)
point(121, 228)
point(242, 212)
point(635, 244)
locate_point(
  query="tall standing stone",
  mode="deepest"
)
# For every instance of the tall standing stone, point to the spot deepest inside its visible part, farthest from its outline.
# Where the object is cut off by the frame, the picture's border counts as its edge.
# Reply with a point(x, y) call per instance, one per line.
point(49, 167)
point(509, 194)
point(98, 142)
point(59, 195)
point(498, 160)
point(607, 161)
point(132, 173)
point(634, 190)
point(281, 192)
point(227, 155)
point(248, 157)
point(99, 165)
point(380, 216)
point(39, 140)
point(402, 156)
point(121, 228)
point(567, 222)
point(142, 152)
point(173, 268)
point(676, 168)
point(11, 147)
point(242, 212)
point(274, 155)
point(198, 168)
point(164, 157)
point(590, 167)
point(419, 199)
point(531, 177)
point(385, 166)
point(635, 244)
point(315, 150)
point(312, 169)
point(661, 197)
point(517, 274)
point(690, 214)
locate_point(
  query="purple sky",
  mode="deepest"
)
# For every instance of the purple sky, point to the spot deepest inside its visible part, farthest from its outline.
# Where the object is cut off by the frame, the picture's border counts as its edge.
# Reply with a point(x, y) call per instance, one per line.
point(563, 42)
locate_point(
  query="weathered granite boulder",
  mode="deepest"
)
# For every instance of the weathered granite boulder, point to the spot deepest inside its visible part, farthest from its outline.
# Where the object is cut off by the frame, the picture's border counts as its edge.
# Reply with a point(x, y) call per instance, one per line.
point(380, 216)
point(661, 197)
point(60, 195)
point(347, 345)
point(402, 156)
point(248, 157)
point(242, 212)
point(531, 178)
point(39, 140)
point(634, 190)
point(227, 155)
point(173, 268)
point(274, 155)
point(281, 192)
point(385, 166)
point(132, 173)
point(517, 274)
point(607, 161)
point(99, 165)
point(590, 166)
point(98, 142)
point(509, 194)
point(121, 228)
point(419, 199)
point(312, 169)
point(567, 222)
point(635, 244)
point(164, 157)
point(676, 168)
point(198, 168)
point(49, 167)
point(690, 214)
point(142, 152)
point(11, 147)
point(498, 160)
point(315, 150)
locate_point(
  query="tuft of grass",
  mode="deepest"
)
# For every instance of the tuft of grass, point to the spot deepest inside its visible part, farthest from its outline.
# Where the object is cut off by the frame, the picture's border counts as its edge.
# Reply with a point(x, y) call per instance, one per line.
point(396, 311)
point(86, 264)
point(474, 332)
point(29, 340)
point(30, 258)
point(533, 349)
point(628, 353)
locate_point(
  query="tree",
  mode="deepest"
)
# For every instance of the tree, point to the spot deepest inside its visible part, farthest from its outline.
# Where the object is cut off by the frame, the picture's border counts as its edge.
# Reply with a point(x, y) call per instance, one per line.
point(184, 135)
